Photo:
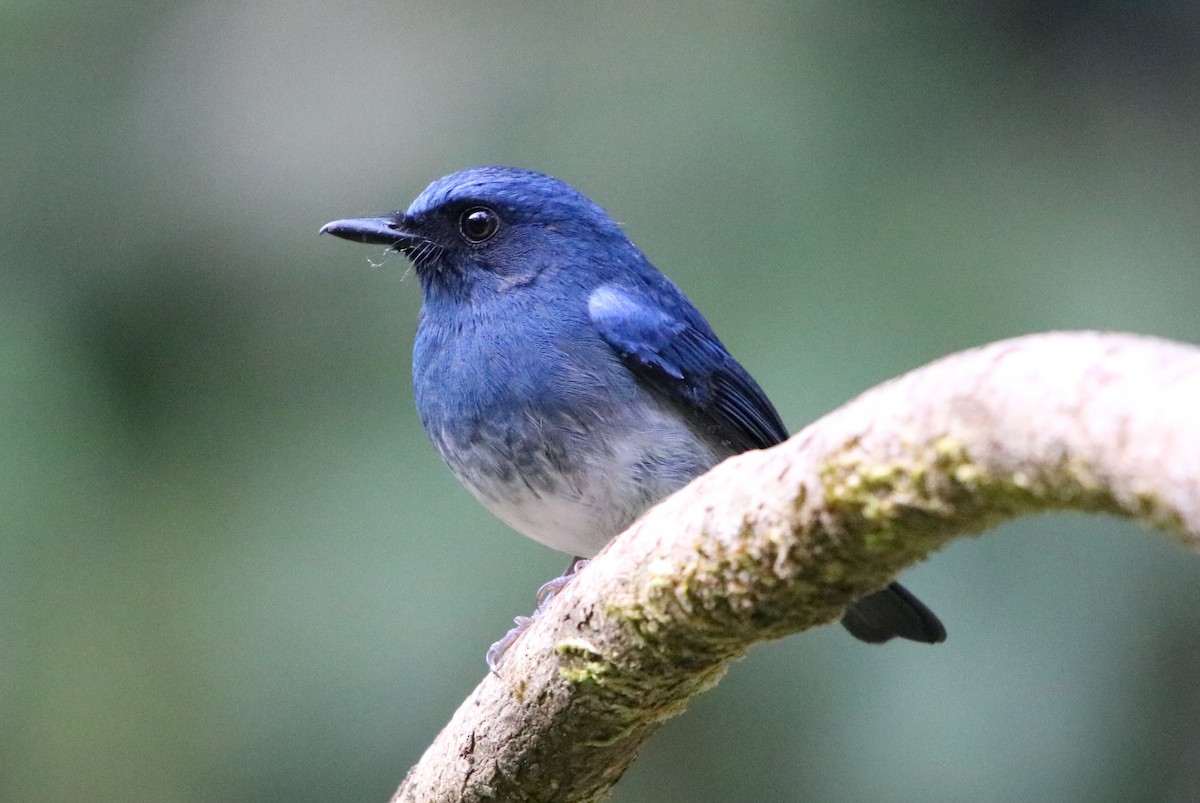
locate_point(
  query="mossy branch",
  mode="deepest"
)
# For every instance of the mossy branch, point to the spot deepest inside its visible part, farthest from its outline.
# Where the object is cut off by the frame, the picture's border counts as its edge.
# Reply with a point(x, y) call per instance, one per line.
point(770, 543)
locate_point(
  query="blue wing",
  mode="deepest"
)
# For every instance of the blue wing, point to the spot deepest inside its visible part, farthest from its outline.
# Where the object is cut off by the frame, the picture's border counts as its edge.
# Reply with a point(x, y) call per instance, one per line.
point(686, 362)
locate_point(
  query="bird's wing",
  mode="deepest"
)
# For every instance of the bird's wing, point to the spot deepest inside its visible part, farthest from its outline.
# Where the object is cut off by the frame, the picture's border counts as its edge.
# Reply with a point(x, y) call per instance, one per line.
point(687, 363)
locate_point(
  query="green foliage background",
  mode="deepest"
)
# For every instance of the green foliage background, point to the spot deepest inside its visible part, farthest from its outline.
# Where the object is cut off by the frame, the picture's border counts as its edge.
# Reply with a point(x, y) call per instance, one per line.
point(232, 569)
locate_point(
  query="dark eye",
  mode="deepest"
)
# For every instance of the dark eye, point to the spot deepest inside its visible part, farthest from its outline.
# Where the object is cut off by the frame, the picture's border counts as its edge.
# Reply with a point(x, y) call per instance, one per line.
point(478, 224)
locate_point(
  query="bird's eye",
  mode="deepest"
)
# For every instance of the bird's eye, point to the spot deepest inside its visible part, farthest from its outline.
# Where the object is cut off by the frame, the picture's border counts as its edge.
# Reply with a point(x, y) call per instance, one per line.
point(478, 224)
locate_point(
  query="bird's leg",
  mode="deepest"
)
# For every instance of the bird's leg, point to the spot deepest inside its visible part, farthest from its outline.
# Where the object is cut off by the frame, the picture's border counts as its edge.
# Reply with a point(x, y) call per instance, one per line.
point(496, 652)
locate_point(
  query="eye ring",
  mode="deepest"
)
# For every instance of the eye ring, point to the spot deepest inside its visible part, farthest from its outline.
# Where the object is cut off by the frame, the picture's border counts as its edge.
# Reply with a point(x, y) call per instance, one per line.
point(478, 224)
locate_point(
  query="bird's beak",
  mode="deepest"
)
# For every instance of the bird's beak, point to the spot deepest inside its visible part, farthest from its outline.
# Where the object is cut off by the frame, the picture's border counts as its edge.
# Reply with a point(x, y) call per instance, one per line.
point(387, 231)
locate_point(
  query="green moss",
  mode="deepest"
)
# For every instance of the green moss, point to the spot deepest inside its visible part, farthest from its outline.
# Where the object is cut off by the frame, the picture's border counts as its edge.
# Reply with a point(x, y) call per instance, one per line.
point(581, 663)
point(1157, 512)
point(902, 508)
point(628, 698)
point(892, 513)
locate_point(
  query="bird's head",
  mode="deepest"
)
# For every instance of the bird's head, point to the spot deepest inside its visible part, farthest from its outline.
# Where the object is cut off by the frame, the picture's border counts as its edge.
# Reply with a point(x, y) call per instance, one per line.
point(493, 229)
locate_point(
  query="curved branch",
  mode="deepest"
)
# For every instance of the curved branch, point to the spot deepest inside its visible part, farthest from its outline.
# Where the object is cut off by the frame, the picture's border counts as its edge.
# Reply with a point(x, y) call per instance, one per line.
point(774, 542)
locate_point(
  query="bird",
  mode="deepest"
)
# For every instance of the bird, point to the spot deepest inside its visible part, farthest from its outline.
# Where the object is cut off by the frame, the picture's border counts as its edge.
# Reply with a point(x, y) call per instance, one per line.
point(565, 381)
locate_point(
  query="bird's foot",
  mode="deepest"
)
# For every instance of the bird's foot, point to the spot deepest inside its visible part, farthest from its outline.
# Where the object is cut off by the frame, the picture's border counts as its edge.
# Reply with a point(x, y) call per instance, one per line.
point(552, 587)
point(496, 652)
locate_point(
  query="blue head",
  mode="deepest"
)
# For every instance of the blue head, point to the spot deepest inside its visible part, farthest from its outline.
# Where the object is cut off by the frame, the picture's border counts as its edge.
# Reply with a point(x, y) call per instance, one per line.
point(489, 229)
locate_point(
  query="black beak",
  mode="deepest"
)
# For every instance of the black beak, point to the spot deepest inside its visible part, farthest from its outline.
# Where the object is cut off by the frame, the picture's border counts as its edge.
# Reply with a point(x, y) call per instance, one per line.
point(387, 231)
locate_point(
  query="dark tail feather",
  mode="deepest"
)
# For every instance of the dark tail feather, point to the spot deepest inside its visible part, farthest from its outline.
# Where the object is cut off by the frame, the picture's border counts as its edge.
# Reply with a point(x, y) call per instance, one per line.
point(892, 612)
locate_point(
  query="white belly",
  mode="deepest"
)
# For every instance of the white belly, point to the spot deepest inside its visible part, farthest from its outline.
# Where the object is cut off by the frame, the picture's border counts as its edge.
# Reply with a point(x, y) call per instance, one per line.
point(602, 493)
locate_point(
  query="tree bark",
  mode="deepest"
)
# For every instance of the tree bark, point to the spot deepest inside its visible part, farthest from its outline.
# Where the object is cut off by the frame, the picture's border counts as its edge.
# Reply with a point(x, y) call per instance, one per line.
point(773, 542)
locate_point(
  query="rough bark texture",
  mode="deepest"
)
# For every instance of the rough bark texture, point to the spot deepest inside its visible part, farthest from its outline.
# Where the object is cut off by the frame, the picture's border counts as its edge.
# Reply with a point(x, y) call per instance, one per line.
point(774, 542)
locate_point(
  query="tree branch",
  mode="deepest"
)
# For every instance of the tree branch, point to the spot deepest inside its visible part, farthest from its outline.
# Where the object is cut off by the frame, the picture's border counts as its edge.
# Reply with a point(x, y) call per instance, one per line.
point(773, 542)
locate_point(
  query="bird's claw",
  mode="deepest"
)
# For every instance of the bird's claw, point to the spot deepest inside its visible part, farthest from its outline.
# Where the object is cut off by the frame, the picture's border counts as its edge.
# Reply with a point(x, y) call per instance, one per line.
point(496, 652)
point(552, 587)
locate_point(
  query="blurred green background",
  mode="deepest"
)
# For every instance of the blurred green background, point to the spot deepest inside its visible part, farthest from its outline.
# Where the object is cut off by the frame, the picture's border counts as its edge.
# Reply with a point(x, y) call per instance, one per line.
point(231, 567)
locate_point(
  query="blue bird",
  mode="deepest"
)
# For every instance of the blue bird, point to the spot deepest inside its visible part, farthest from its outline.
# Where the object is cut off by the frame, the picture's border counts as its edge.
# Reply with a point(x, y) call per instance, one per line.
point(566, 382)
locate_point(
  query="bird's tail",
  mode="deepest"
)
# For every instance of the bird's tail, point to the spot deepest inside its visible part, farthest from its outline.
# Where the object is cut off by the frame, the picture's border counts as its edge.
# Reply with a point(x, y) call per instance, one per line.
point(893, 612)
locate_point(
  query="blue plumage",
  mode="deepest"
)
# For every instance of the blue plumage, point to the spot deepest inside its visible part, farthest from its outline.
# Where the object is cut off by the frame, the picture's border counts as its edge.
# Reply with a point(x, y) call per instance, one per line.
point(566, 382)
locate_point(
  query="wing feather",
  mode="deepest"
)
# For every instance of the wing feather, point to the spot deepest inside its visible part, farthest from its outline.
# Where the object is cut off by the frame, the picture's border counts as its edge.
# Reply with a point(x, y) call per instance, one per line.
point(687, 364)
